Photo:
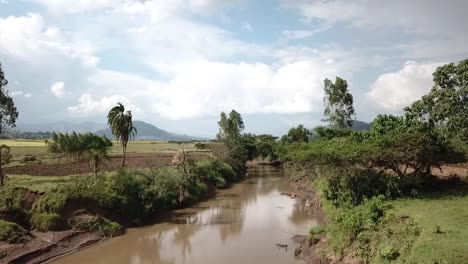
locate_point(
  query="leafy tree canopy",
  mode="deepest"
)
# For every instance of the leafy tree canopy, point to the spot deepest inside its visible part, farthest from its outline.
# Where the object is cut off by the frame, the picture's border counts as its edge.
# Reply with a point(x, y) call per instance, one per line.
point(339, 110)
point(446, 105)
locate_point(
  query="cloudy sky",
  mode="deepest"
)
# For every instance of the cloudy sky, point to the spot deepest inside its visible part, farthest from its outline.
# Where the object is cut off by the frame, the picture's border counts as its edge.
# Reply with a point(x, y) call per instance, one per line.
point(179, 63)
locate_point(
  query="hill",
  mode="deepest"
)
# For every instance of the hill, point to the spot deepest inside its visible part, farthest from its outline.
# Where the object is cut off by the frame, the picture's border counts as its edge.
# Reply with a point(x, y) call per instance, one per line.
point(148, 131)
point(360, 125)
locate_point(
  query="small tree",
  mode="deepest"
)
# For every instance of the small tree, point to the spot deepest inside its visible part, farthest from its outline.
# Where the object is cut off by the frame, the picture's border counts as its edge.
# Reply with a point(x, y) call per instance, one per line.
point(8, 113)
point(98, 151)
point(298, 134)
point(339, 110)
point(122, 127)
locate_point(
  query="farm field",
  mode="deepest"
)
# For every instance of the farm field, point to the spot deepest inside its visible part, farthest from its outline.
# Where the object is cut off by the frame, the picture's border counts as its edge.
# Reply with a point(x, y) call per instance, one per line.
point(30, 157)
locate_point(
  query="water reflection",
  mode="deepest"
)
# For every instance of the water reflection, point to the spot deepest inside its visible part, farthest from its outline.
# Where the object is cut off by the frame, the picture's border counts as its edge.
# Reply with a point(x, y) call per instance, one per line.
point(239, 225)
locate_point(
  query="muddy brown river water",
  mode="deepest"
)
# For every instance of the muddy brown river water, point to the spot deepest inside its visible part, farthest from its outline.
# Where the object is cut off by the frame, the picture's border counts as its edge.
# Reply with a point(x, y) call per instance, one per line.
point(240, 225)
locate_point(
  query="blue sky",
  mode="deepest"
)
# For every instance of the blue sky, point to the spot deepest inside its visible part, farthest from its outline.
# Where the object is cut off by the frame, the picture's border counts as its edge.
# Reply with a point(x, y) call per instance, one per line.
point(179, 63)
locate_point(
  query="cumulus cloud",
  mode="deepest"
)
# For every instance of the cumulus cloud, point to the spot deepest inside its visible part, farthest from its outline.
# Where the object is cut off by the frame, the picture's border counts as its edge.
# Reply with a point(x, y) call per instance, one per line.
point(58, 89)
point(88, 105)
point(396, 90)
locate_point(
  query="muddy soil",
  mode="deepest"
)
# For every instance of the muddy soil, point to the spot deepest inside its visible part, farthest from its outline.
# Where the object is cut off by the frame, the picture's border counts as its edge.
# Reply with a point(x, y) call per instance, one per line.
point(46, 246)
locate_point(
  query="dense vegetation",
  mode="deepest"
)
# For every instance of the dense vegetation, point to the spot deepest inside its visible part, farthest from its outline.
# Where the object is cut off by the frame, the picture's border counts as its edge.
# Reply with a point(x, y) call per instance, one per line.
point(359, 174)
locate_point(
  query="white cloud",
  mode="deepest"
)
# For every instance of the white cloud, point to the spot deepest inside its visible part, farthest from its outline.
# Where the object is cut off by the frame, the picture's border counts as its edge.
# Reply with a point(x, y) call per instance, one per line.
point(429, 17)
point(247, 27)
point(16, 93)
point(162, 7)
point(28, 95)
point(3, 1)
point(87, 105)
point(58, 89)
point(396, 90)
point(297, 34)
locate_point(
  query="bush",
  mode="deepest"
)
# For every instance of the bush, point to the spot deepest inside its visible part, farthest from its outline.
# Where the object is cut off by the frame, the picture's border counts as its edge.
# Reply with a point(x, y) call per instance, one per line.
point(347, 225)
point(214, 172)
point(12, 233)
point(97, 224)
point(349, 187)
point(52, 202)
point(48, 222)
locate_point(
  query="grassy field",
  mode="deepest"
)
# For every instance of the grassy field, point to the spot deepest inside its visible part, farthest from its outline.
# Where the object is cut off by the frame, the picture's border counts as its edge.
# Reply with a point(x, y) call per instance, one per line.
point(40, 184)
point(443, 219)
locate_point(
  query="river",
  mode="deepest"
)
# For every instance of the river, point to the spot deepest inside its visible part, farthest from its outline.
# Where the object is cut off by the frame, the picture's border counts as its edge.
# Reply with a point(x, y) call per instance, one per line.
point(241, 224)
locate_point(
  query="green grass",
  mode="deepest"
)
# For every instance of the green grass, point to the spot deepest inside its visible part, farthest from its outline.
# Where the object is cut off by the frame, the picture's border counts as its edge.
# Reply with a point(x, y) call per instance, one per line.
point(448, 211)
point(40, 184)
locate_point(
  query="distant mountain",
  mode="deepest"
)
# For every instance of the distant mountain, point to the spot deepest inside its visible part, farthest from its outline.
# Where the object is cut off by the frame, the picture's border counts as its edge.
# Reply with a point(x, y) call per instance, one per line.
point(61, 126)
point(360, 125)
point(147, 131)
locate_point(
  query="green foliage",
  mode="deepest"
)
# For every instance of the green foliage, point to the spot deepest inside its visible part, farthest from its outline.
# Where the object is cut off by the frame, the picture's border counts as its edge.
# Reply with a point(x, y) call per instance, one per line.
point(329, 133)
point(446, 106)
point(298, 134)
point(214, 172)
point(339, 110)
point(8, 116)
point(6, 154)
point(77, 145)
point(240, 147)
point(350, 187)
point(266, 147)
point(52, 202)
point(12, 233)
point(230, 128)
point(348, 224)
point(121, 125)
point(97, 224)
point(48, 222)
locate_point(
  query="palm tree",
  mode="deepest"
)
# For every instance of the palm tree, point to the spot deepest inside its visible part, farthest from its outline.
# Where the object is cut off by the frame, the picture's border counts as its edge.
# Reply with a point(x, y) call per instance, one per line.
point(121, 125)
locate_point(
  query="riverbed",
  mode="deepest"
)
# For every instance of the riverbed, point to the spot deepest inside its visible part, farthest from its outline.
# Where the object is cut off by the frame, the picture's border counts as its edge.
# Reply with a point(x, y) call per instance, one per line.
point(251, 222)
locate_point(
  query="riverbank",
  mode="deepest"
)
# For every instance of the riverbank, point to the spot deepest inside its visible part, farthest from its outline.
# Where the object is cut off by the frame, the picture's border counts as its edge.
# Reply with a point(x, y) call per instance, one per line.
point(75, 212)
point(428, 227)
point(252, 221)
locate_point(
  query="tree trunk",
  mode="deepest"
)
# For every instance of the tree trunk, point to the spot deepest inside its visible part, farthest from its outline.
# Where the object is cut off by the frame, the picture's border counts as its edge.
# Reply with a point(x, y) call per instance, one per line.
point(1, 169)
point(96, 164)
point(124, 148)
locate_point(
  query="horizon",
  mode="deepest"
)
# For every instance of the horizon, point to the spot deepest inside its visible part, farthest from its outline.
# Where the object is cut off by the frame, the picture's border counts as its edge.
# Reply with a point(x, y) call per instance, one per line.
point(73, 60)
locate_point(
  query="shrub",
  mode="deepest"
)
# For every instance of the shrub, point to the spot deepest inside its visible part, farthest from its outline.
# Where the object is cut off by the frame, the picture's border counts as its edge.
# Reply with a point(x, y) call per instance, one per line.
point(52, 202)
point(348, 187)
point(389, 253)
point(12, 233)
point(347, 225)
point(97, 224)
point(48, 222)
point(214, 172)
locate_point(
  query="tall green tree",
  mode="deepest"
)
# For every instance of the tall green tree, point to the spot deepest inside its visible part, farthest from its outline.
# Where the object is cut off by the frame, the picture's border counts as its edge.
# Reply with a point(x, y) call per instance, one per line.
point(339, 110)
point(239, 146)
point(298, 134)
point(121, 124)
point(445, 107)
point(230, 127)
point(8, 112)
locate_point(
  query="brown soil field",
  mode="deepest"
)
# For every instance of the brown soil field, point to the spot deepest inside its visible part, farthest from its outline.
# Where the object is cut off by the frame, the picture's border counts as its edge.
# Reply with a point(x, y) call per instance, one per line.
point(134, 161)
